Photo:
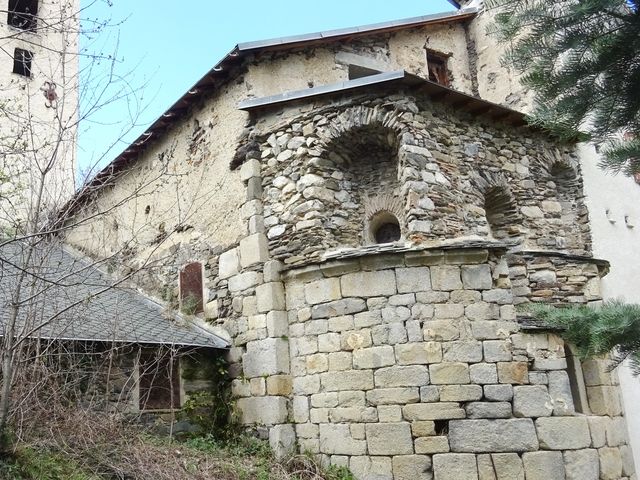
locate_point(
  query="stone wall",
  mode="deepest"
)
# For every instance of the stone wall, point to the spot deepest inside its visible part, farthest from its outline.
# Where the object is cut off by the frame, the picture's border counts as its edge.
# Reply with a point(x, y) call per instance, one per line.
point(408, 359)
point(410, 365)
point(435, 170)
point(399, 360)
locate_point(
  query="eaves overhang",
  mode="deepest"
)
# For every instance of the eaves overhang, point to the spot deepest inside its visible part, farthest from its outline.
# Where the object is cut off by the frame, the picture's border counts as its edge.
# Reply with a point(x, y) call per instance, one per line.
point(435, 91)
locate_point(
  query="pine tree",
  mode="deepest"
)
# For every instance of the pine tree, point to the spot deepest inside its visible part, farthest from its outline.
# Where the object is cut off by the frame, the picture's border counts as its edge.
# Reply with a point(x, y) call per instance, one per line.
point(612, 327)
point(582, 61)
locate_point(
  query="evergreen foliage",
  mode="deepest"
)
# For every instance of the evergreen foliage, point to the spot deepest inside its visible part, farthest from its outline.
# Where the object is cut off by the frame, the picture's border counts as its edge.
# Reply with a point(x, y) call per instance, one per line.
point(581, 58)
point(612, 327)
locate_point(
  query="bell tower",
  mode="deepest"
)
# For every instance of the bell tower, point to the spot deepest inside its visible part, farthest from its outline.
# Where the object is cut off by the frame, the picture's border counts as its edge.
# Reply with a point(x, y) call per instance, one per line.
point(38, 108)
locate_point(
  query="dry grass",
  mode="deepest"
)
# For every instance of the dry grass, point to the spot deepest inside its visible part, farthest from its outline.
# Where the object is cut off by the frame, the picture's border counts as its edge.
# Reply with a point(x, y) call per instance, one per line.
point(105, 446)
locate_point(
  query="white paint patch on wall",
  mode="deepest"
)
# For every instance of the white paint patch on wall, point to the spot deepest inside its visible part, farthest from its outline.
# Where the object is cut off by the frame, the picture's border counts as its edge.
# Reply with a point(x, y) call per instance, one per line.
point(614, 211)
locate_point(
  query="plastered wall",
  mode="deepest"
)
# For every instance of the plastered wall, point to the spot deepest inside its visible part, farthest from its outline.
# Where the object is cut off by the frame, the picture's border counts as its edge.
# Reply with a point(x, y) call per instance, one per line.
point(33, 137)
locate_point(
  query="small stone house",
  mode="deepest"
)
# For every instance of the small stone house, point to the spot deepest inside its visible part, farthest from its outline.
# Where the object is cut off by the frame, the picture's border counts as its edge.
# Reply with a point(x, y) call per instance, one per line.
point(368, 209)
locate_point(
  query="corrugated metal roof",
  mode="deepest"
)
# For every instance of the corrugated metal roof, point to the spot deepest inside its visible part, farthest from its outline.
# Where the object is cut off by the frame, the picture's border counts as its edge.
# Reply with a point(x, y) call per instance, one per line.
point(67, 298)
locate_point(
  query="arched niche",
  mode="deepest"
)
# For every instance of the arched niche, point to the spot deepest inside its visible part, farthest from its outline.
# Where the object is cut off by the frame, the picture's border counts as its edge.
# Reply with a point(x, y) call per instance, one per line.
point(362, 145)
point(501, 213)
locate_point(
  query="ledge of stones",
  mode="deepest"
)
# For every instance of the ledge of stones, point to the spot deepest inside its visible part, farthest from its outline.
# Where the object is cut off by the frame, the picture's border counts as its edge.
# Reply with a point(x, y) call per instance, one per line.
point(602, 264)
point(530, 324)
point(402, 247)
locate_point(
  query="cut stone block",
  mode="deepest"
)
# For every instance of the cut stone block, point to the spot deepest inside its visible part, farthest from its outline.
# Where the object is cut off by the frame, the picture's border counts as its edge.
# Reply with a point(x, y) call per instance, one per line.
point(431, 445)
point(497, 351)
point(477, 277)
point(346, 306)
point(415, 279)
point(492, 436)
point(266, 357)
point(337, 439)
point(347, 380)
point(279, 385)
point(462, 351)
point(412, 467)
point(400, 376)
point(488, 410)
point(563, 433)
point(374, 468)
point(483, 373)
point(543, 466)
point(582, 465)
point(369, 284)
point(486, 471)
point(277, 323)
point(253, 249)
point(604, 400)
point(446, 278)
point(513, 372)
point(270, 296)
point(374, 357)
point(322, 291)
point(560, 392)
point(610, 463)
point(244, 281)
point(596, 372)
point(432, 411)
point(418, 353)
point(498, 393)
point(263, 410)
point(455, 466)
point(389, 438)
point(449, 373)
point(508, 466)
point(282, 440)
point(531, 401)
point(250, 169)
point(399, 395)
point(460, 393)
point(228, 263)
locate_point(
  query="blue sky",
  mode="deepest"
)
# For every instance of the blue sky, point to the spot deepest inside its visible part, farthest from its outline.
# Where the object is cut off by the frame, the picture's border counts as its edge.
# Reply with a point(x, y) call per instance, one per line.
point(162, 49)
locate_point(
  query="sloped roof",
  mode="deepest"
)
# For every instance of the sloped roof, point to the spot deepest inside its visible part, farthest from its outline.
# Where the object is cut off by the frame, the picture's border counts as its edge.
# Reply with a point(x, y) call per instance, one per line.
point(437, 92)
point(67, 298)
point(222, 71)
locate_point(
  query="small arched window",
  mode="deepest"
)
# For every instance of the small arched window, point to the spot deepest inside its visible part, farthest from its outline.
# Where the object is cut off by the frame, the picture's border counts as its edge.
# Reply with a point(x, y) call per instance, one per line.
point(384, 227)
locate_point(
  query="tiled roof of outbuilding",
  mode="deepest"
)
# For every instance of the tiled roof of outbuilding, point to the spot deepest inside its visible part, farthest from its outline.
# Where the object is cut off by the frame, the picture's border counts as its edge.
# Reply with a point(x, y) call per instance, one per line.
point(68, 298)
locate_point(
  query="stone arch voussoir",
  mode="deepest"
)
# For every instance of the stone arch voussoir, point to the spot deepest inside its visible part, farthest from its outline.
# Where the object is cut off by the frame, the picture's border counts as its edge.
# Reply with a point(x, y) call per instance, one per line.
point(362, 117)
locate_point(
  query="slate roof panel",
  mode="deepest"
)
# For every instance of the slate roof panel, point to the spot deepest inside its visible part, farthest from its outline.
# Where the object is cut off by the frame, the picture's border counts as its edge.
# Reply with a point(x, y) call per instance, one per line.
point(68, 298)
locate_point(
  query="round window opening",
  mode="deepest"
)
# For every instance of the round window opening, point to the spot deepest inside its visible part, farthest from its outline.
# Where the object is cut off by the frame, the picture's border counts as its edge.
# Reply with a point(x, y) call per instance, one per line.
point(385, 228)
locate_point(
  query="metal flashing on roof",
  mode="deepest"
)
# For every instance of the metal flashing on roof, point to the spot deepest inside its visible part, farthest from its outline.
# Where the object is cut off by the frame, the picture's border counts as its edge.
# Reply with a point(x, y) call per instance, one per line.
point(434, 90)
point(347, 85)
point(329, 34)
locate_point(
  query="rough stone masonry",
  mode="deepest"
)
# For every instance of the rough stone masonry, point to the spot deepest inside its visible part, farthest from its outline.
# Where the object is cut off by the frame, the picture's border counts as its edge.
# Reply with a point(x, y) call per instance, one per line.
point(410, 359)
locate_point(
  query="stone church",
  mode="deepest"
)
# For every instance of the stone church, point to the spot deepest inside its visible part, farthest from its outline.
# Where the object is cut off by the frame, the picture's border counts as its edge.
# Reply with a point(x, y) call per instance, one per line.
point(363, 213)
